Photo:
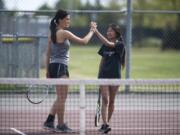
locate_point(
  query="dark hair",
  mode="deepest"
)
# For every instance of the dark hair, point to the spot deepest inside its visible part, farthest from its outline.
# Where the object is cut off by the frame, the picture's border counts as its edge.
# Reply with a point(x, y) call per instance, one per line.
point(117, 30)
point(60, 14)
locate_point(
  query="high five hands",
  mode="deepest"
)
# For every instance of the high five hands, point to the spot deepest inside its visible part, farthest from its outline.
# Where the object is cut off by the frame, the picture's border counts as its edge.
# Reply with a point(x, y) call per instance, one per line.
point(93, 26)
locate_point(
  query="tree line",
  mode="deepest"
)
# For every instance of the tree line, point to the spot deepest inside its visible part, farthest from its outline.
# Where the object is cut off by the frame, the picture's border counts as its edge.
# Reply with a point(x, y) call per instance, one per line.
point(169, 24)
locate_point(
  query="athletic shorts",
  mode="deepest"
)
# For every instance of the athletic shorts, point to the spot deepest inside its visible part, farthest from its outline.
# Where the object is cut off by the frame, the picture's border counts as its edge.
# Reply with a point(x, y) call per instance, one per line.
point(57, 70)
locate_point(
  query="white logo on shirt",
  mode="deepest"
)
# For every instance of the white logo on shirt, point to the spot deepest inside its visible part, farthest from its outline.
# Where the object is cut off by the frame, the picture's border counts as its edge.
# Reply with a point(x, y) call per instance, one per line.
point(109, 53)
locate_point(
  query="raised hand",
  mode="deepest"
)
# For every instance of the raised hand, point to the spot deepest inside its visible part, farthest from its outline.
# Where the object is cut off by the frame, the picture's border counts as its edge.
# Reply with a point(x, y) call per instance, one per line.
point(93, 26)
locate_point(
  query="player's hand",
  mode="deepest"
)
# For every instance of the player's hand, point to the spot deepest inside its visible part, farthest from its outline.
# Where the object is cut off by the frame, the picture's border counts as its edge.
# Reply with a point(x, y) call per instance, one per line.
point(93, 26)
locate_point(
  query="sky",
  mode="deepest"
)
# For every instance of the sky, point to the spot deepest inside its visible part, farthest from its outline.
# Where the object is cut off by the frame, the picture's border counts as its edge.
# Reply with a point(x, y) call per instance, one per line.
point(30, 4)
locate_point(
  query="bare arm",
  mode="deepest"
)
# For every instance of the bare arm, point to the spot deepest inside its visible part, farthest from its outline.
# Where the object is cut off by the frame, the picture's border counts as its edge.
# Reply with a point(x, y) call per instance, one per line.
point(71, 36)
point(104, 40)
point(48, 53)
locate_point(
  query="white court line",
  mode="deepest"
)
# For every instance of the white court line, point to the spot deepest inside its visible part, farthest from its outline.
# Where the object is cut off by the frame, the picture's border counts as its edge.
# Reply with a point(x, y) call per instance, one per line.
point(17, 131)
point(24, 128)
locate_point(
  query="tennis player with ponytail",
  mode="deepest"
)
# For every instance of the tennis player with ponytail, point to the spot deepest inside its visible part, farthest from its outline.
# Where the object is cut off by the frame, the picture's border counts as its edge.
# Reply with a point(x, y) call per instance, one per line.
point(57, 64)
point(113, 60)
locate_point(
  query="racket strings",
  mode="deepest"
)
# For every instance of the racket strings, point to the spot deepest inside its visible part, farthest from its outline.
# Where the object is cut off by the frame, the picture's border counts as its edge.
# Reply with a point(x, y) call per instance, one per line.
point(37, 93)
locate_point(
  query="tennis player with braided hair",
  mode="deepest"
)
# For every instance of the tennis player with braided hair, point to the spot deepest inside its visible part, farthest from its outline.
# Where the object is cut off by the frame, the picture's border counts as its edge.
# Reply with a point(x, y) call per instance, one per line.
point(113, 60)
point(57, 64)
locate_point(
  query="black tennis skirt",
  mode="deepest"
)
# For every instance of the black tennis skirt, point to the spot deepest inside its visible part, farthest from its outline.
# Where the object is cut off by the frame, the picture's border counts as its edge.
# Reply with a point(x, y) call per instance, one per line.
point(109, 75)
point(112, 73)
point(57, 70)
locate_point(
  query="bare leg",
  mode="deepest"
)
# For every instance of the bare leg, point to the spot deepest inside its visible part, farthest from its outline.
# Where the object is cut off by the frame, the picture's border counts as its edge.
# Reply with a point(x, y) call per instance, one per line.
point(105, 102)
point(112, 93)
point(59, 104)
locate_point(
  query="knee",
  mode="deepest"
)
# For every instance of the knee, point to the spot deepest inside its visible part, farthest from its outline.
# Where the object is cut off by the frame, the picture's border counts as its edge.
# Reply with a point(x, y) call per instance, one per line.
point(61, 99)
point(111, 103)
point(105, 101)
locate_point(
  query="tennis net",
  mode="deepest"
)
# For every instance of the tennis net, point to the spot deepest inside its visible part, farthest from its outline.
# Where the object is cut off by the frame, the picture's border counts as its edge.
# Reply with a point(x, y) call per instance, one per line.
point(142, 107)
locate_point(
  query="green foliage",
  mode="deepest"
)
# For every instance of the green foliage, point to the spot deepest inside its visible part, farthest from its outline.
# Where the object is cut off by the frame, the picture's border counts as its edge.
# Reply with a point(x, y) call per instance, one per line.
point(68, 4)
point(82, 19)
point(111, 18)
point(2, 6)
point(157, 4)
point(149, 62)
point(149, 42)
point(156, 20)
point(46, 7)
point(79, 20)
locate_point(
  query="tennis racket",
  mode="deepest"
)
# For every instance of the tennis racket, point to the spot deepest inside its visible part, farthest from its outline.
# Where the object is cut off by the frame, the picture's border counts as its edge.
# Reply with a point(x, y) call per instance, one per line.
point(98, 110)
point(37, 93)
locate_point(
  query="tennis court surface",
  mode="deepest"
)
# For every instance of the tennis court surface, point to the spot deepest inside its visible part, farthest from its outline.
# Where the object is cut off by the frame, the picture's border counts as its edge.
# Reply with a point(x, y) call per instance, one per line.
point(142, 107)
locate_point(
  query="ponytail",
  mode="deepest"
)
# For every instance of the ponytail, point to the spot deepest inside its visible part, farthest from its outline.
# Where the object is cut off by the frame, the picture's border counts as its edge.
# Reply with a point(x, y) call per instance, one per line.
point(53, 30)
point(117, 30)
point(60, 14)
point(120, 39)
point(123, 57)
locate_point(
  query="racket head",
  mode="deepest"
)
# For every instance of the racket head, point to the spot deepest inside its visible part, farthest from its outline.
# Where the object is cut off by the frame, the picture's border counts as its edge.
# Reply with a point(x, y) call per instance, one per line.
point(37, 93)
point(98, 111)
point(97, 119)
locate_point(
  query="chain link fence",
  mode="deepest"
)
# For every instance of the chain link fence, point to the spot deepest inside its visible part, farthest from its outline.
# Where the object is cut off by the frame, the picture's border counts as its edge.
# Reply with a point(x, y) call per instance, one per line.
point(32, 27)
point(19, 56)
point(156, 29)
point(24, 38)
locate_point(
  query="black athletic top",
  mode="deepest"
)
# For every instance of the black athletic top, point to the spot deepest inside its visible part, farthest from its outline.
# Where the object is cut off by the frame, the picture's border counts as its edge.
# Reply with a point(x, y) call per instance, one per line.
point(112, 60)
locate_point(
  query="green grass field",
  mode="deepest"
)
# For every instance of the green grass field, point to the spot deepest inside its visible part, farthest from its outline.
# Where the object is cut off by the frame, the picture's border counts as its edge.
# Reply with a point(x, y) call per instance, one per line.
point(146, 63)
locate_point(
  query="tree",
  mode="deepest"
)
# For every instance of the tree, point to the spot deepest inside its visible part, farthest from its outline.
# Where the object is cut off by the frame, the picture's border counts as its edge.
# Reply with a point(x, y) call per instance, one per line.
point(138, 21)
point(151, 20)
point(77, 18)
point(170, 24)
point(91, 16)
point(68, 4)
point(46, 7)
point(2, 6)
point(107, 18)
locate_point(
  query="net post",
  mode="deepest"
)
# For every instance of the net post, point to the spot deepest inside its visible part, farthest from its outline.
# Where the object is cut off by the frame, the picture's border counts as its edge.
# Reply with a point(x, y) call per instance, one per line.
point(82, 110)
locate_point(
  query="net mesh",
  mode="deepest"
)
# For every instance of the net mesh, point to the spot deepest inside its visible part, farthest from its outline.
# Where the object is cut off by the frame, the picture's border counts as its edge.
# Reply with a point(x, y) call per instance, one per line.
point(142, 107)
